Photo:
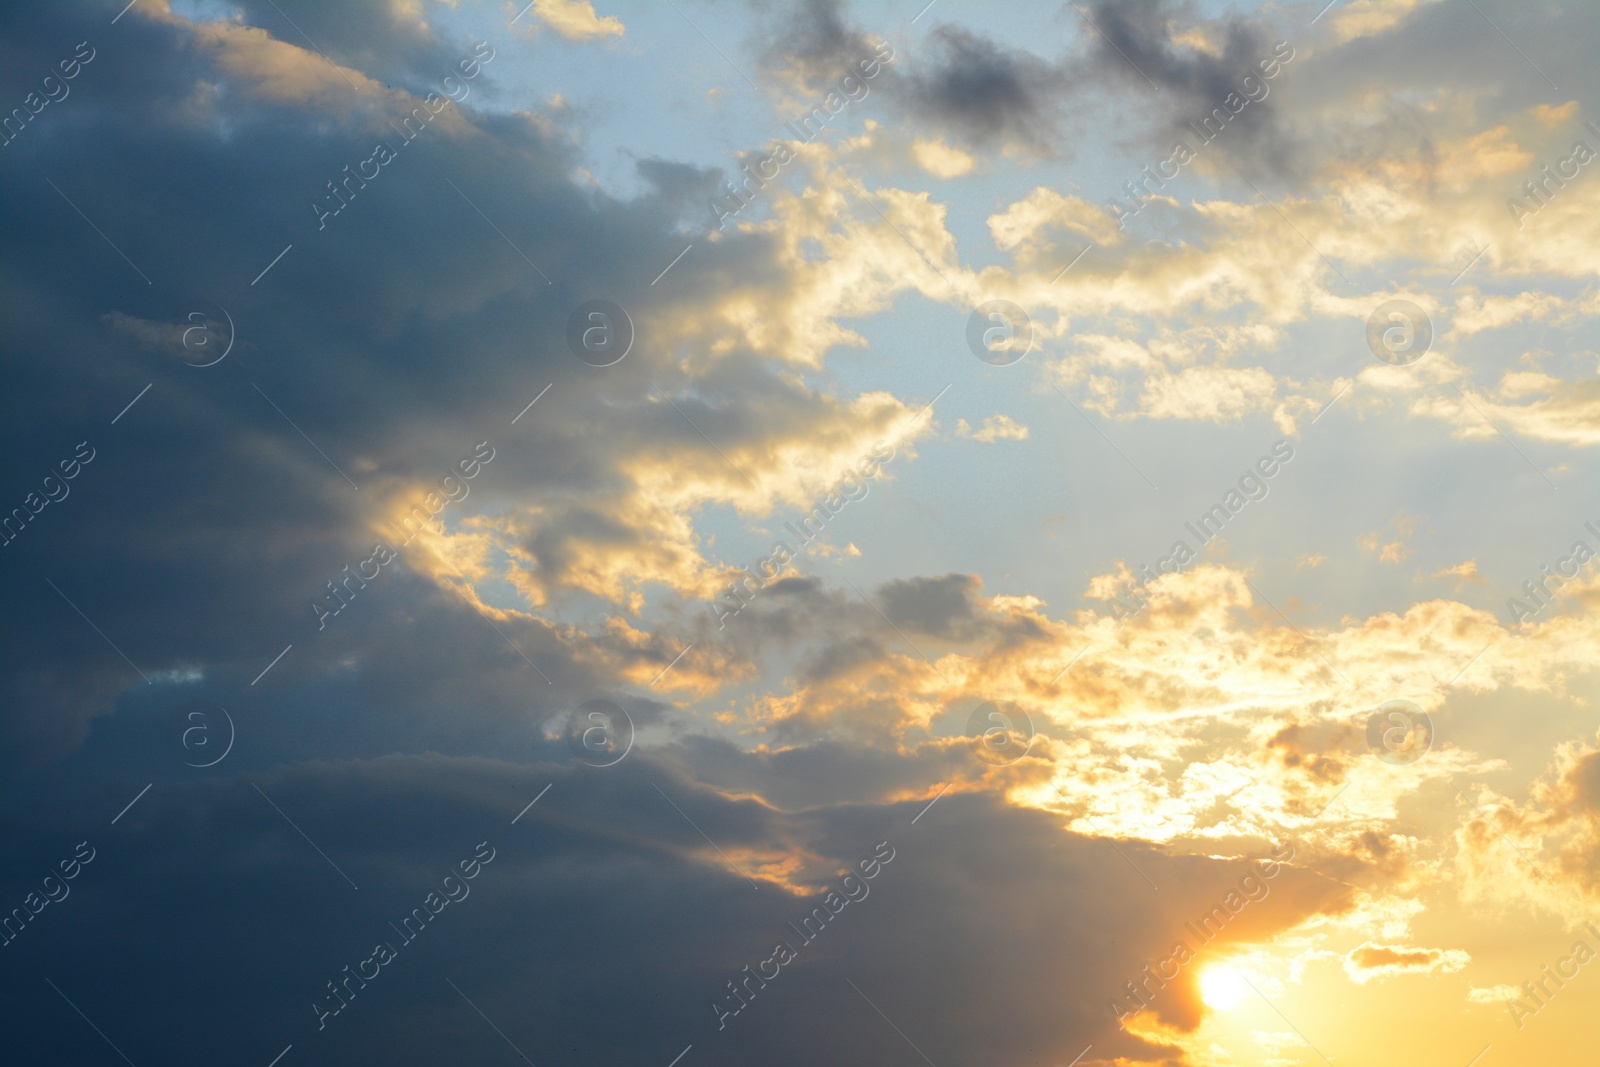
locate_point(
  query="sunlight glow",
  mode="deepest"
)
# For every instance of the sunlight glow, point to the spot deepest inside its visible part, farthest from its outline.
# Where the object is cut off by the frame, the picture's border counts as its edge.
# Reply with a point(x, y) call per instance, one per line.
point(1222, 987)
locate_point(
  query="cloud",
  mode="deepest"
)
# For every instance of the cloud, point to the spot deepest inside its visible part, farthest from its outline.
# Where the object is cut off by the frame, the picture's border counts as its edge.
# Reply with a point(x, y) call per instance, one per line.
point(995, 428)
point(605, 516)
point(1213, 393)
point(1199, 73)
point(394, 825)
point(1536, 406)
point(942, 606)
point(1544, 851)
point(576, 19)
point(1281, 719)
point(986, 96)
point(1372, 961)
point(1474, 314)
point(1397, 551)
point(993, 97)
point(1492, 994)
point(378, 351)
point(394, 42)
point(809, 52)
point(941, 160)
point(1023, 227)
point(1368, 17)
point(1462, 572)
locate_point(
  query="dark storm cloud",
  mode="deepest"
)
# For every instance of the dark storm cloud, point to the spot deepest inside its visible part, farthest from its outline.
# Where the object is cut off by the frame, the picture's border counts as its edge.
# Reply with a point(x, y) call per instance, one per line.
point(603, 929)
point(386, 342)
point(206, 524)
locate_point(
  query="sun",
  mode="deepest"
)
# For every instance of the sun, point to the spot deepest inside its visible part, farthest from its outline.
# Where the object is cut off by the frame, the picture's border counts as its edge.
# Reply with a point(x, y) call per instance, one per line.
point(1222, 986)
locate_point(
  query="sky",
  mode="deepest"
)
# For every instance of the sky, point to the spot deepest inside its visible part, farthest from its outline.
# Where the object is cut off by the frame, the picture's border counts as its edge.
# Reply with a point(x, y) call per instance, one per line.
point(1042, 536)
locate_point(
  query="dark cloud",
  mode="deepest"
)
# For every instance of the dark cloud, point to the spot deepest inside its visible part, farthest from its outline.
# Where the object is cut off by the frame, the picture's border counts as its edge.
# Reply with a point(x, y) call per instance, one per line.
point(391, 41)
point(376, 353)
point(815, 45)
point(984, 94)
point(602, 898)
point(1136, 46)
point(382, 345)
point(965, 86)
point(993, 96)
point(939, 606)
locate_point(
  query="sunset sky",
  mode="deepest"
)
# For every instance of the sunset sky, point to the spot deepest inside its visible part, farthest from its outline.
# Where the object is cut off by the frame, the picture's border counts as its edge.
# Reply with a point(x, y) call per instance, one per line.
point(801, 533)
